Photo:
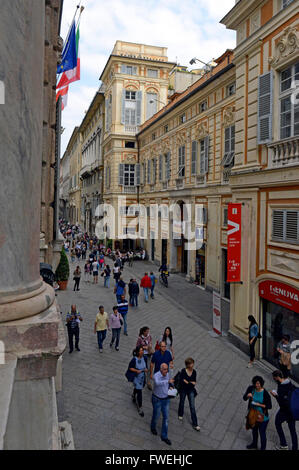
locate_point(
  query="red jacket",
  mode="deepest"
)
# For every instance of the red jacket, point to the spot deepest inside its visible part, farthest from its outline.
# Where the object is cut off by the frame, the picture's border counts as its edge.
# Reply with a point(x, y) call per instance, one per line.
point(146, 282)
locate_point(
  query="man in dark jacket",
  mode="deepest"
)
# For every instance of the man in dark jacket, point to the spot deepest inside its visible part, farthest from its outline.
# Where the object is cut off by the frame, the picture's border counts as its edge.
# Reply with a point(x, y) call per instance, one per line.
point(123, 307)
point(284, 389)
point(133, 292)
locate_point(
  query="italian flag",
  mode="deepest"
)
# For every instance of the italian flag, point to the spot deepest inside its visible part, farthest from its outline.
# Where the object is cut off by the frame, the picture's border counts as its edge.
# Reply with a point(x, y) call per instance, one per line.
point(63, 92)
point(70, 76)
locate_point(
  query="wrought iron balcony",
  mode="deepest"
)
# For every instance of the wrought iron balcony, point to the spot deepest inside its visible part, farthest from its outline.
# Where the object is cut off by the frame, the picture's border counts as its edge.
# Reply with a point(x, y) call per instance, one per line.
point(284, 152)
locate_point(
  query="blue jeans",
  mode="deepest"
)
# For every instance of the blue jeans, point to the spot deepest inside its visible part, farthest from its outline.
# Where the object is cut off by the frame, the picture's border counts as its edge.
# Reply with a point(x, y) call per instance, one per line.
point(145, 290)
point(158, 406)
point(101, 338)
point(191, 399)
point(125, 323)
point(281, 418)
point(115, 336)
point(107, 281)
point(152, 291)
point(260, 428)
point(134, 300)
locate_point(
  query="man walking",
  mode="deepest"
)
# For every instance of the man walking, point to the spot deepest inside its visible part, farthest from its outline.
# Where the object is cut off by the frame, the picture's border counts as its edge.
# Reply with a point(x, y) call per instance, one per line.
point(146, 283)
point(123, 307)
point(162, 356)
point(161, 401)
point(73, 320)
point(120, 289)
point(284, 414)
point(100, 326)
point(153, 281)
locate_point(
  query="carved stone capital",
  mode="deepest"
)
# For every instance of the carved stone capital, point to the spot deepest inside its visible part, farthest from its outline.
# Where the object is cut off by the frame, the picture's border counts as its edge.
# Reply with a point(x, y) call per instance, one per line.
point(287, 45)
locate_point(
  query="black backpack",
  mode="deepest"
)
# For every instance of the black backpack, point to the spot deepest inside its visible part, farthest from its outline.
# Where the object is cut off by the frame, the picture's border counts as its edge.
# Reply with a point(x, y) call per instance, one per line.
point(177, 381)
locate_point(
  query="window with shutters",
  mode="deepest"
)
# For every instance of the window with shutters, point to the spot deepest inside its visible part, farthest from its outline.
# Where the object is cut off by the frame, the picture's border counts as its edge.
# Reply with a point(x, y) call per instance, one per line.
point(194, 158)
point(129, 69)
point(289, 102)
point(181, 172)
point(285, 225)
point(152, 73)
point(160, 167)
point(285, 3)
point(131, 108)
point(151, 104)
point(229, 147)
point(265, 104)
point(149, 172)
point(127, 176)
point(204, 155)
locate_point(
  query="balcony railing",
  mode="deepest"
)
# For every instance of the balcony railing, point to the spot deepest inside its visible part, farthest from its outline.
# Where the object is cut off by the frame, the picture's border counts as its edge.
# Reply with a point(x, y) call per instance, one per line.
point(284, 152)
point(129, 189)
point(131, 129)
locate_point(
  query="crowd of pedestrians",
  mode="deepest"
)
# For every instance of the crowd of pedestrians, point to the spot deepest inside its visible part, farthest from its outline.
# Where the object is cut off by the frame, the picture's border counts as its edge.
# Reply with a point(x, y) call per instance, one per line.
point(152, 361)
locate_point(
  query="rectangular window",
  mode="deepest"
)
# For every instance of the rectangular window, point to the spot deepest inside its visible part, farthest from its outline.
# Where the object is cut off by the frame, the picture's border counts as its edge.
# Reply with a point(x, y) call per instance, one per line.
point(203, 106)
point(285, 226)
point(181, 173)
point(182, 118)
point(130, 95)
point(229, 155)
point(166, 129)
point(289, 102)
point(129, 69)
point(129, 175)
point(154, 136)
point(129, 145)
point(225, 214)
point(231, 89)
point(194, 158)
point(152, 73)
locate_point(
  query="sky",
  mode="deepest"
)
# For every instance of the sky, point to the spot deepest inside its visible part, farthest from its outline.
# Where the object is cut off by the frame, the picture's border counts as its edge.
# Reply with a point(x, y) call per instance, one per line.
point(188, 28)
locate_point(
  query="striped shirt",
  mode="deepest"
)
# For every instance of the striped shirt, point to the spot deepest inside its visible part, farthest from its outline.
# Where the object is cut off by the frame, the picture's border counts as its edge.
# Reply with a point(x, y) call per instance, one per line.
point(123, 307)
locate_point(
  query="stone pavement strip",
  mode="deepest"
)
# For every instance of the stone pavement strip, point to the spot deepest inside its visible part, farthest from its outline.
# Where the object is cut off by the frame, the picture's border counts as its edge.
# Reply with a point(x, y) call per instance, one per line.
point(96, 397)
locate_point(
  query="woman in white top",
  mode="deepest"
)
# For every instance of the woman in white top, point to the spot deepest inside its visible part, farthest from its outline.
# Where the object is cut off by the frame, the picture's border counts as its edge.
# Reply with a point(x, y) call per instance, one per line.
point(167, 338)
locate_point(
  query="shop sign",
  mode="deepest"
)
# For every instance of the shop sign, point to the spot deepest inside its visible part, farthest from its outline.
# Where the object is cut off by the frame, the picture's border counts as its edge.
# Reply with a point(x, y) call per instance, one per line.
point(234, 243)
point(280, 294)
point(217, 312)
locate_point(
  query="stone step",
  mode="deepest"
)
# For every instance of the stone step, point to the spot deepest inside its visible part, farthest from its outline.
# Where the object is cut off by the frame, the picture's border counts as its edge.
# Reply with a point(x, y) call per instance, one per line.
point(7, 376)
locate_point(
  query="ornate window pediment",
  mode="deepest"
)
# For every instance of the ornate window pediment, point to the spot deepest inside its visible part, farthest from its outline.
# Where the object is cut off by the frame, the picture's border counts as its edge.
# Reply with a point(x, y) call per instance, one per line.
point(287, 45)
point(201, 130)
point(165, 146)
point(182, 136)
point(228, 116)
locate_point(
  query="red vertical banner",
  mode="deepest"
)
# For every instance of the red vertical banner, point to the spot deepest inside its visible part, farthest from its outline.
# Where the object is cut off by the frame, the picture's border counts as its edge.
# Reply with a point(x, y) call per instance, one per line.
point(234, 242)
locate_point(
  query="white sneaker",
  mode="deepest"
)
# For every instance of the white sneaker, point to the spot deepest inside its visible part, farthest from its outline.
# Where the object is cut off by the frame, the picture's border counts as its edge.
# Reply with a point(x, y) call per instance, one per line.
point(180, 418)
point(249, 365)
point(279, 447)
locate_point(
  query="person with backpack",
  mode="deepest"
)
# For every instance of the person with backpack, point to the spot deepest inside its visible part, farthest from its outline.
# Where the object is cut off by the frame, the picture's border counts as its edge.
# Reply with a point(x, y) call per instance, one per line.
point(253, 337)
point(120, 289)
point(186, 388)
point(258, 416)
point(139, 368)
point(285, 389)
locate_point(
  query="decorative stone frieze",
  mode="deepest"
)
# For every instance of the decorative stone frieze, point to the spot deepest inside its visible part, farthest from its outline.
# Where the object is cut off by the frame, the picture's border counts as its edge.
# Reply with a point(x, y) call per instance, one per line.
point(287, 45)
point(228, 116)
point(201, 130)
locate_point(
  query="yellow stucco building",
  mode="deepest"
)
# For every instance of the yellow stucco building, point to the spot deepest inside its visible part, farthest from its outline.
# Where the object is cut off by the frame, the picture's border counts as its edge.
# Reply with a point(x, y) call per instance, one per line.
point(75, 158)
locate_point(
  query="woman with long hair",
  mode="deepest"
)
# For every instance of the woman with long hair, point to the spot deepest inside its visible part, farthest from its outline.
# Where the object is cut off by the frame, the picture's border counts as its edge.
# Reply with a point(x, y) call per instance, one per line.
point(145, 340)
point(252, 338)
point(167, 338)
point(139, 367)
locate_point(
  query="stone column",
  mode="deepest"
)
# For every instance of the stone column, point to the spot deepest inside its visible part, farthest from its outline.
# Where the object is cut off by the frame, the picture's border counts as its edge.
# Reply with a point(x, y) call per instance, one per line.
point(30, 323)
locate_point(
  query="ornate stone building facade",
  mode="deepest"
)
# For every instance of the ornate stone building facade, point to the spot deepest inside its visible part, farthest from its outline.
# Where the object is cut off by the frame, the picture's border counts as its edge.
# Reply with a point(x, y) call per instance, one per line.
point(266, 170)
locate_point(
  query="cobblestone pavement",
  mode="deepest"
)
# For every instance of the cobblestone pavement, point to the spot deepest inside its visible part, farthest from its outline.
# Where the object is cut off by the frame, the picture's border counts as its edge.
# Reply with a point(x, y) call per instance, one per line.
point(96, 397)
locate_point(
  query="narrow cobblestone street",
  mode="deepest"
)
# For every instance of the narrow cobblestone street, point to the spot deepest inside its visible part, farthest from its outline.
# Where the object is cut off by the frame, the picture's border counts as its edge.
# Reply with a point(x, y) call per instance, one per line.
point(96, 397)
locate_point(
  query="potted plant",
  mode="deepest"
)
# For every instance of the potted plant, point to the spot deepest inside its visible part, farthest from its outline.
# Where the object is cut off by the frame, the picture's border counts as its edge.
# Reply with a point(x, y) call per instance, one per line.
point(63, 271)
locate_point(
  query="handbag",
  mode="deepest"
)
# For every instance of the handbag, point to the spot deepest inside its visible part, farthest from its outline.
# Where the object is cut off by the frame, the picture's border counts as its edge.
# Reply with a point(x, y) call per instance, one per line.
point(253, 417)
point(157, 347)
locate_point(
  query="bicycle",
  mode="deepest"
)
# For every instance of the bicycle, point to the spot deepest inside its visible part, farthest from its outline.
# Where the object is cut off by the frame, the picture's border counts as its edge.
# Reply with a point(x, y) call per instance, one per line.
point(163, 279)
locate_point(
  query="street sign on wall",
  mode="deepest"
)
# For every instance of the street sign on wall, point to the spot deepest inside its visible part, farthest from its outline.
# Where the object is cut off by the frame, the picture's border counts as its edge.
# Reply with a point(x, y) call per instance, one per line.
point(217, 312)
point(234, 243)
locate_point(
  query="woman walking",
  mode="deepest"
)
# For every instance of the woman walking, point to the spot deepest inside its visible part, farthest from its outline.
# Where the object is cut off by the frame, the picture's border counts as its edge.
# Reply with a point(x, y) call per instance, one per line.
point(260, 402)
point(139, 367)
point(87, 271)
point(77, 277)
point(187, 388)
point(115, 323)
point(167, 338)
point(145, 340)
point(253, 336)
